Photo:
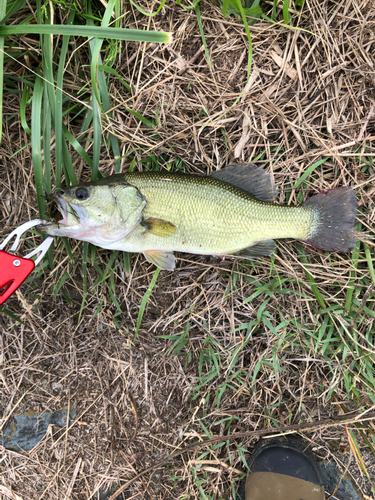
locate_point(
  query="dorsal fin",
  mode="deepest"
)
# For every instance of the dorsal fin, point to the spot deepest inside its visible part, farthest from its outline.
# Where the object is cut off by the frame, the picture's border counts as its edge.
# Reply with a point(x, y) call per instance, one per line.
point(250, 178)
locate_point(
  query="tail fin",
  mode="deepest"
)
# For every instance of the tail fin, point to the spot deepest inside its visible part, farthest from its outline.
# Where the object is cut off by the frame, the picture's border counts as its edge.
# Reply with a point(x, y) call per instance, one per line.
point(335, 224)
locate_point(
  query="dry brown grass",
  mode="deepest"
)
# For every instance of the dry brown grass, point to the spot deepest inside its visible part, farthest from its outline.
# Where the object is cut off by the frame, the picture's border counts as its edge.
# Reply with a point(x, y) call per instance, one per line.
point(310, 96)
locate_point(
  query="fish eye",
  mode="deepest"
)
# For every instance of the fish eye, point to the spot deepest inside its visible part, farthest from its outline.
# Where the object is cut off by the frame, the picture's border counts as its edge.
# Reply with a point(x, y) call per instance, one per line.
point(82, 194)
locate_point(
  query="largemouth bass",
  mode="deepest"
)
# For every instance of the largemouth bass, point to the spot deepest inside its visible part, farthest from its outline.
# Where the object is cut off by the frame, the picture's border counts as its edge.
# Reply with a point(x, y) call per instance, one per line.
point(229, 213)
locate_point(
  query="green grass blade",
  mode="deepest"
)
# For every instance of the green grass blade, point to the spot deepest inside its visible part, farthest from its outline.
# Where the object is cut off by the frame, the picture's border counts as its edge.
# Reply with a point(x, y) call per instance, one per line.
point(306, 174)
point(351, 284)
point(48, 105)
point(107, 106)
point(140, 117)
point(370, 264)
point(255, 11)
point(250, 56)
point(36, 146)
point(24, 101)
point(95, 46)
point(88, 31)
point(148, 14)
point(86, 122)
point(60, 283)
point(59, 138)
point(97, 138)
point(49, 101)
point(200, 24)
point(286, 14)
point(39, 11)
point(3, 6)
point(4, 310)
point(76, 145)
point(126, 261)
point(225, 8)
point(274, 10)
point(145, 300)
point(310, 279)
point(47, 48)
point(70, 175)
point(107, 271)
point(103, 90)
point(117, 13)
point(84, 273)
point(15, 7)
point(113, 72)
point(47, 120)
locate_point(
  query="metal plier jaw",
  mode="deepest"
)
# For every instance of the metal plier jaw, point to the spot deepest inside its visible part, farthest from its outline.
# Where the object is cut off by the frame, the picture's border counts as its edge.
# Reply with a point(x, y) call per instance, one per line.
point(15, 269)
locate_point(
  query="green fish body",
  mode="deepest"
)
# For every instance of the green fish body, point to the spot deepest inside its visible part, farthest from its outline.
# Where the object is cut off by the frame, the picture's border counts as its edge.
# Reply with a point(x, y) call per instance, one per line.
point(228, 213)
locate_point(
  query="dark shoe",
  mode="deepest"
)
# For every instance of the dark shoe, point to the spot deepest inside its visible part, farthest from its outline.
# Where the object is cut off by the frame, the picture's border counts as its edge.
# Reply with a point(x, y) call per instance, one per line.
point(283, 469)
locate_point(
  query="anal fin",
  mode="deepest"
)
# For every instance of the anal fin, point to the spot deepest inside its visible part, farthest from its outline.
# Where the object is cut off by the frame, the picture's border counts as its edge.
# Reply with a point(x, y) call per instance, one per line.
point(162, 259)
point(261, 249)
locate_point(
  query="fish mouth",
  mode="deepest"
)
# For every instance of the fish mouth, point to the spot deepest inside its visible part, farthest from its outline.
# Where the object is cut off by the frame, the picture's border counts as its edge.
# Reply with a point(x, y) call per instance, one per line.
point(58, 210)
point(65, 216)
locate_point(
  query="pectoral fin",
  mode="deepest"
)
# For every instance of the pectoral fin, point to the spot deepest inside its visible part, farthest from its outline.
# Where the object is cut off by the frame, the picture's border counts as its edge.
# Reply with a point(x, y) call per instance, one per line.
point(261, 249)
point(159, 227)
point(164, 260)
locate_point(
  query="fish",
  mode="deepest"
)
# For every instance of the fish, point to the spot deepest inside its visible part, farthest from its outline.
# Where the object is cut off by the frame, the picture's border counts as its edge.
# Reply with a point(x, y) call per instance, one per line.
point(231, 212)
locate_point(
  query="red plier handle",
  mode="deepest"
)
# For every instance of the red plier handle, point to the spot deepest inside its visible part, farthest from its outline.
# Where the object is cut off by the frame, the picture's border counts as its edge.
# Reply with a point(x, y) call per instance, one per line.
point(14, 269)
